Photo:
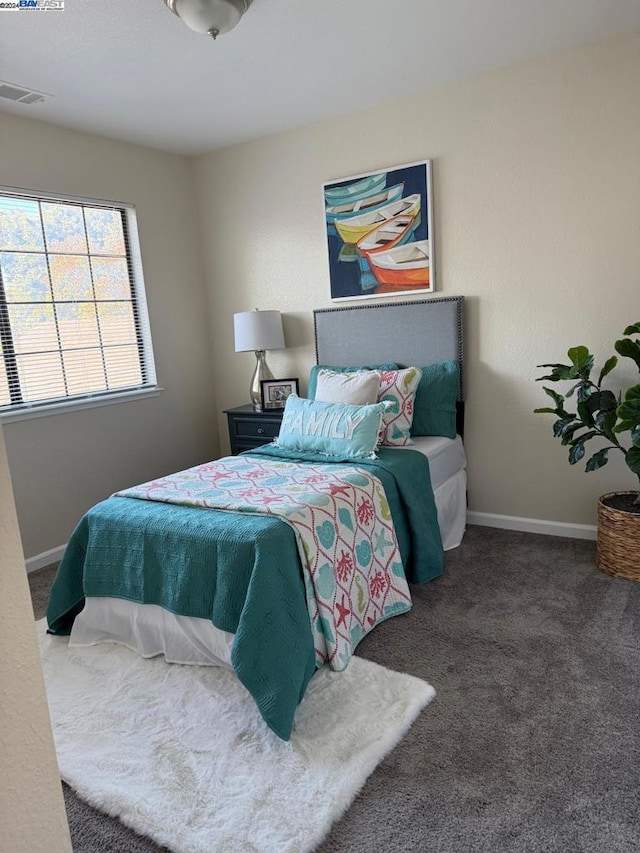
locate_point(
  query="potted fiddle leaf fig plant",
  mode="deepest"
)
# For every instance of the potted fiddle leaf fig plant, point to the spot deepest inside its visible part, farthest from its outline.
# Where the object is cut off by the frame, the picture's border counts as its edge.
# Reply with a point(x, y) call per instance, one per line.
point(599, 413)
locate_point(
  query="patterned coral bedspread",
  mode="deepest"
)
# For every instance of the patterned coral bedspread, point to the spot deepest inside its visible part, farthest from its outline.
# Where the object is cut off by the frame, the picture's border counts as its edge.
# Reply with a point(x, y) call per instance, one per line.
point(347, 545)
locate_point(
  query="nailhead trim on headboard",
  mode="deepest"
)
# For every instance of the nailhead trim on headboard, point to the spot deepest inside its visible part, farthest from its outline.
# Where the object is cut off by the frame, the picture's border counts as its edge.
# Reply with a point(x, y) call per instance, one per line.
point(421, 316)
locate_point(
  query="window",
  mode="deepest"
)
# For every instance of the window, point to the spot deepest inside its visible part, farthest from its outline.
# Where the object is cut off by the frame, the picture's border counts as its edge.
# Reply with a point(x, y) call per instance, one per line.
point(73, 318)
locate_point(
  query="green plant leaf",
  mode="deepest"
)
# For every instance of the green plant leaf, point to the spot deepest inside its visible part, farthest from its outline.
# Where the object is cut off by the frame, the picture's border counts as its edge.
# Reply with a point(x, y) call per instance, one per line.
point(565, 366)
point(572, 389)
point(635, 436)
point(578, 356)
point(624, 426)
point(586, 367)
point(628, 349)
point(595, 402)
point(609, 364)
point(545, 411)
point(582, 361)
point(629, 411)
point(607, 401)
point(633, 393)
point(585, 390)
point(632, 330)
point(576, 453)
point(585, 414)
point(569, 431)
point(557, 398)
point(605, 421)
point(559, 373)
point(584, 437)
point(600, 418)
point(633, 459)
point(560, 425)
point(598, 460)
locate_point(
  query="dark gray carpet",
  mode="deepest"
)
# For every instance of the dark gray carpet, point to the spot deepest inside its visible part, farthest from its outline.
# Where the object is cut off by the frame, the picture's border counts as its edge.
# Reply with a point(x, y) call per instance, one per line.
point(533, 740)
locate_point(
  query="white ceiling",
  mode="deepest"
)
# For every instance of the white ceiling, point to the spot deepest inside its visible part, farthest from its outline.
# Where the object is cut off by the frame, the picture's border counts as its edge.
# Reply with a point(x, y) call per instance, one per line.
point(131, 69)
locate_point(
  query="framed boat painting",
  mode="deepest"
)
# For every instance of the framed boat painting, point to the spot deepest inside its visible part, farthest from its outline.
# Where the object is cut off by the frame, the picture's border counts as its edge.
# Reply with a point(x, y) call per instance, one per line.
point(380, 232)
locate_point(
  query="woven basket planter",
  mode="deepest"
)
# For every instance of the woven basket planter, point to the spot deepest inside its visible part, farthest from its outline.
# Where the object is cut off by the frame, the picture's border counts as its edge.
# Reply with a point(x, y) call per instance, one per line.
point(618, 551)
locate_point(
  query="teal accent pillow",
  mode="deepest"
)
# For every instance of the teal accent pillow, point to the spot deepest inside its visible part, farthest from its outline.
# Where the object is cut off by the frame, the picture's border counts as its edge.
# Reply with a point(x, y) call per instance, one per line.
point(435, 402)
point(313, 373)
point(334, 429)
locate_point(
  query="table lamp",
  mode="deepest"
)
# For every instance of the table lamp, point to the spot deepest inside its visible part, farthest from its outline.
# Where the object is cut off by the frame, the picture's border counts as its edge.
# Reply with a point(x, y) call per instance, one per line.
point(258, 331)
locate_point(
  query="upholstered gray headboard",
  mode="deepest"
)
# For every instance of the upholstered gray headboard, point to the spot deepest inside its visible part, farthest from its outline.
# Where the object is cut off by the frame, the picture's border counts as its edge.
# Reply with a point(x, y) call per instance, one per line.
point(407, 333)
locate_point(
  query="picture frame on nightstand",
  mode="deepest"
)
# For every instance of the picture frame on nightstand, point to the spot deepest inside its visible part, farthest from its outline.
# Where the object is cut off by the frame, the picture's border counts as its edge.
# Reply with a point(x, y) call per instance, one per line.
point(274, 393)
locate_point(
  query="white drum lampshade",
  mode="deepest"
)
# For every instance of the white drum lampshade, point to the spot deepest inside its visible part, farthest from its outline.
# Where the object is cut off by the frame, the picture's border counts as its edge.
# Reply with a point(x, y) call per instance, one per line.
point(258, 331)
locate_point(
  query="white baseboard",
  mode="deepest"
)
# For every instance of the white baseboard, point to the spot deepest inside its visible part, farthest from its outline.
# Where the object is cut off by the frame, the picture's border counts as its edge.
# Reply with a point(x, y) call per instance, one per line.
point(533, 525)
point(53, 555)
point(483, 519)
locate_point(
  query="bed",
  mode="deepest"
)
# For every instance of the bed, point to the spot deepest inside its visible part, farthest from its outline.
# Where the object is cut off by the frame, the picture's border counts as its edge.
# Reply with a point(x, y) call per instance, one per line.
point(424, 332)
point(179, 567)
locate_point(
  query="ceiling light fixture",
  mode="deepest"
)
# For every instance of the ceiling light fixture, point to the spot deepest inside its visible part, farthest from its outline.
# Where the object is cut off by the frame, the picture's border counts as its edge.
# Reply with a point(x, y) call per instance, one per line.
point(213, 17)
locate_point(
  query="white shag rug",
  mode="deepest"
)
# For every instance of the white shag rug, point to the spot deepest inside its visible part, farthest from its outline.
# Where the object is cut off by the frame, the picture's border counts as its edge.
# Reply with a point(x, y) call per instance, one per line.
point(180, 753)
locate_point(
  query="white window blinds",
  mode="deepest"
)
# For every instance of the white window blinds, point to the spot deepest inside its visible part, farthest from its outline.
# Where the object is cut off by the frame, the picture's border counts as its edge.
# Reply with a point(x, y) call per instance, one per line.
point(73, 318)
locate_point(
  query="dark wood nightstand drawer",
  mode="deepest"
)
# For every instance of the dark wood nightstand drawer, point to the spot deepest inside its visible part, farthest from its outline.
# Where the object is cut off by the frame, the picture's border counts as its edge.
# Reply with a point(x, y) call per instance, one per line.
point(254, 428)
point(249, 429)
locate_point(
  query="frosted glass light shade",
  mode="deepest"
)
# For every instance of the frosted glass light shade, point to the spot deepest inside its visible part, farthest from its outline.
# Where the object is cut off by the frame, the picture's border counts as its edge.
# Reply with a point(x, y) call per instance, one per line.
point(258, 330)
point(210, 16)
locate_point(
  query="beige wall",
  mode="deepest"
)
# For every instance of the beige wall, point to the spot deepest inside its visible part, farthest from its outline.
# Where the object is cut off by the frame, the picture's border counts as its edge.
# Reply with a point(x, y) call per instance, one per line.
point(537, 195)
point(32, 815)
point(64, 463)
point(537, 211)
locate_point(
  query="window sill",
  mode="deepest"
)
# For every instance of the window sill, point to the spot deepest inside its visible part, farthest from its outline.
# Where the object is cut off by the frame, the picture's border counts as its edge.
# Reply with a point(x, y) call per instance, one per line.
point(45, 411)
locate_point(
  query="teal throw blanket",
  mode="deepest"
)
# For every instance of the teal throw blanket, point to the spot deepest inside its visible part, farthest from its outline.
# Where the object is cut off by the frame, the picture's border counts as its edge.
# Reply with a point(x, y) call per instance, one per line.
point(241, 572)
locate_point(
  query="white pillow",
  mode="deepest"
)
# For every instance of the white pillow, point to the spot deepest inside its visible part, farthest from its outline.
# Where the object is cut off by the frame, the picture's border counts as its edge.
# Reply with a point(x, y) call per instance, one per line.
point(358, 389)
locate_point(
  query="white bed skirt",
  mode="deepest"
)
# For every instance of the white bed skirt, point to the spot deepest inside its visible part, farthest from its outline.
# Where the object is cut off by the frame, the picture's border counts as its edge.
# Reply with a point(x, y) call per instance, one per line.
point(151, 630)
point(451, 504)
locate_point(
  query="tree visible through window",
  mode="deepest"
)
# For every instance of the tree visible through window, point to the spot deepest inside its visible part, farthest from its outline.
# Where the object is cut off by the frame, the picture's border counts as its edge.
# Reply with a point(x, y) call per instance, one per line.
point(73, 319)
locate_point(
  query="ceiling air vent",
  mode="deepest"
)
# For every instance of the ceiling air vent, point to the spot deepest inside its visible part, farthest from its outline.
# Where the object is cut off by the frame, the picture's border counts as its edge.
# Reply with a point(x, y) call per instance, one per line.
point(20, 95)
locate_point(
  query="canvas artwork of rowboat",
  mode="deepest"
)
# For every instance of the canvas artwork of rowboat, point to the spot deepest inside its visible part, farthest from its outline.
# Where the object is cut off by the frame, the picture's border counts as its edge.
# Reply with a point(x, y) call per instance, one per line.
point(371, 202)
point(395, 232)
point(357, 189)
point(354, 228)
point(380, 222)
point(403, 266)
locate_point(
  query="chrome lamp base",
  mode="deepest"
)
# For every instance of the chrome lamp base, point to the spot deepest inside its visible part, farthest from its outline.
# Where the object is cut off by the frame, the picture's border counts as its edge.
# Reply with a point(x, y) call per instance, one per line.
point(261, 372)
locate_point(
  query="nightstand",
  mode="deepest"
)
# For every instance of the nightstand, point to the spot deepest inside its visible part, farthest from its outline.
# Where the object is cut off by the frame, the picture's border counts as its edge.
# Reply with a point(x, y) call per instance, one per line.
point(249, 429)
